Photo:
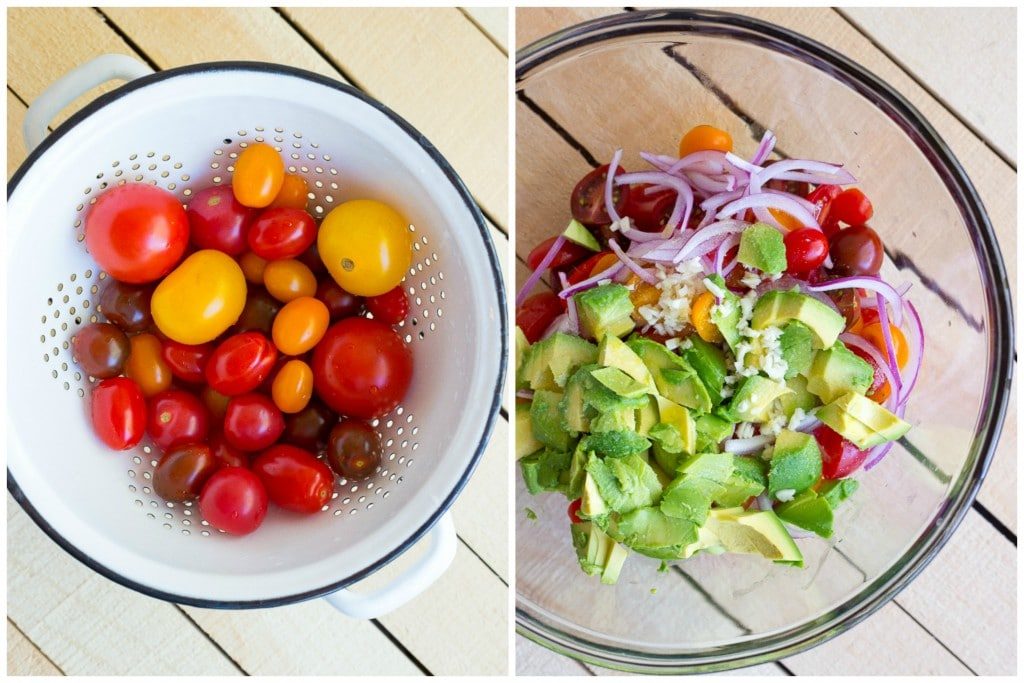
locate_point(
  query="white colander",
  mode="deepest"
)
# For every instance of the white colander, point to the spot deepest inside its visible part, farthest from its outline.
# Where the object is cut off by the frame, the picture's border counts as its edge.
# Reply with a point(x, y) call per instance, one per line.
point(181, 130)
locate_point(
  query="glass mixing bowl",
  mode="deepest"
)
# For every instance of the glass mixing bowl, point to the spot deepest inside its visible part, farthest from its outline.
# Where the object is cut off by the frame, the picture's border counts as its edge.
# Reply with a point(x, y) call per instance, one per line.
point(636, 81)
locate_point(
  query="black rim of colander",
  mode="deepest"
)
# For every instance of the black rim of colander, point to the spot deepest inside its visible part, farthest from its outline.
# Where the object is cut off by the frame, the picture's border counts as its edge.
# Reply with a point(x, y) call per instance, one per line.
point(1000, 311)
point(499, 289)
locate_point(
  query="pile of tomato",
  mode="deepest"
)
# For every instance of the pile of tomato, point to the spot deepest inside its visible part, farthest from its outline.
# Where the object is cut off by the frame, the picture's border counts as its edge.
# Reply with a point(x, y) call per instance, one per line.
point(237, 338)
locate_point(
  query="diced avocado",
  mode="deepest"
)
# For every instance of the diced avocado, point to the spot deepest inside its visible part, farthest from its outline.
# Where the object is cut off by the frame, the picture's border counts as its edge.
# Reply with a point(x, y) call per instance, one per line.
point(612, 352)
point(592, 505)
point(619, 382)
point(808, 511)
point(749, 478)
point(615, 444)
point(526, 442)
point(761, 247)
point(669, 447)
point(711, 431)
point(605, 309)
point(674, 414)
point(726, 313)
point(797, 347)
point(709, 362)
point(618, 420)
point(835, 491)
point(522, 346)
point(624, 484)
point(796, 463)
point(546, 420)
point(756, 533)
point(616, 558)
point(649, 531)
point(862, 421)
point(837, 371)
point(577, 233)
point(753, 399)
point(597, 552)
point(778, 307)
point(683, 386)
point(599, 398)
point(576, 414)
point(646, 416)
point(689, 498)
point(706, 541)
point(549, 363)
point(800, 398)
point(577, 473)
point(546, 470)
point(715, 467)
point(654, 356)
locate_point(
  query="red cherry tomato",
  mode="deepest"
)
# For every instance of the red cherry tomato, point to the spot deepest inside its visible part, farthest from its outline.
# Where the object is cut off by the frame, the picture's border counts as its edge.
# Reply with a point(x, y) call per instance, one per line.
point(851, 207)
point(806, 249)
point(282, 233)
point(295, 480)
point(218, 221)
point(241, 363)
point(650, 212)
point(537, 313)
point(340, 303)
point(361, 368)
point(234, 500)
point(391, 307)
point(225, 454)
point(187, 362)
point(839, 457)
point(252, 422)
point(592, 266)
point(574, 509)
point(118, 413)
point(182, 471)
point(822, 197)
point(177, 418)
point(567, 255)
point(587, 200)
point(136, 232)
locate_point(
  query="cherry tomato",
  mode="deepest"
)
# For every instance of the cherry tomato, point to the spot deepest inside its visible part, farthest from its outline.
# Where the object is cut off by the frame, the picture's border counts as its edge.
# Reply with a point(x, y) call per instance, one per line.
point(704, 137)
point(187, 361)
point(391, 307)
point(851, 207)
point(592, 266)
point(362, 368)
point(847, 303)
point(839, 457)
point(311, 259)
point(259, 175)
point(240, 363)
point(806, 249)
point(216, 403)
point(252, 267)
point(570, 253)
point(873, 333)
point(177, 418)
point(300, 325)
point(118, 413)
point(309, 427)
point(366, 246)
point(864, 317)
point(879, 389)
point(650, 211)
point(281, 233)
point(259, 312)
point(218, 221)
point(537, 313)
point(822, 197)
point(252, 422)
point(225, 454)
point(182, 471)
point(354, 450)
point(136, 232)
point(126, 306)
point(201, 299)
point(289, 279)
point(234, 500)
point(293, 386)
point(856, 250)
point(293, 193)
point(295, 480)
point(101, 349)
point(574, 509)
point(146, 365)
point(340, 304)
point(587, 200)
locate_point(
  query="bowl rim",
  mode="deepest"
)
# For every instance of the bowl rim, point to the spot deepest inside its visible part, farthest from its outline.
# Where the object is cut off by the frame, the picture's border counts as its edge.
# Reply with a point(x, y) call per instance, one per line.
point(999, 309)
point(499, 289)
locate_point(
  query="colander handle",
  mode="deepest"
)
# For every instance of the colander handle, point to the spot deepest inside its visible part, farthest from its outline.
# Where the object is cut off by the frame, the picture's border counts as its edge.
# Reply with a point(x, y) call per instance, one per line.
point(411, 583)
point(73, 85)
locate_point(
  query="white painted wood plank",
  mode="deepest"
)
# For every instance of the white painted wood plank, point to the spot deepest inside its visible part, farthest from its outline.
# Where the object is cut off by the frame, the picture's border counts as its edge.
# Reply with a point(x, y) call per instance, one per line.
point(965, 55)
point(24, 658)
point(481, 512)
point(493, 21)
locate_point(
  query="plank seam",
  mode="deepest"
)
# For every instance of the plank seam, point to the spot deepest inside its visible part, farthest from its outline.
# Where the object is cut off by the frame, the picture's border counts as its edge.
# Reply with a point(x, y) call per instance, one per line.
point(995, 522)
point(487, 34)
point(937, 639)
point(401, 647)
point(139, 52)
point(213, 642)
point(312, 42)
point(557, 127)
point(36, 646)
point(482, 560)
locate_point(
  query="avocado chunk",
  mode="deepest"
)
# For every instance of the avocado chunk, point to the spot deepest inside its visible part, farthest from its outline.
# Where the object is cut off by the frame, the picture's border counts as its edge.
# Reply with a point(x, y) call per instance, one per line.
point(795, 464)
point(617, 420)
point(619, 382)
point(546, 420)
point(577, 233)
point(753, 399)
point(592, 505)
point(549, 363)
point(597, 553)
point(776, 308)
point(706, 541)
point(624, 484)
point(749, 478)
point(862, 421)
point(711, 431)
point(762, 247)
point(605, 309)
point(754, 533)
point(577, 473)
point(800, 398)
point(615, 444)
point(612, 352)
point(546, 470)
point(576, 414)
point(646, 416)
point(701, 478)
point(672, 441)
point(586, 398)
point(676, 415)
point(526, 442)
point(835, 491)
point(682, 386)
point(709, 362)
point(649, 531)
point(808, 511)
point(726, 313)
point(522, 346)
point(797, 347)
point(837, 371)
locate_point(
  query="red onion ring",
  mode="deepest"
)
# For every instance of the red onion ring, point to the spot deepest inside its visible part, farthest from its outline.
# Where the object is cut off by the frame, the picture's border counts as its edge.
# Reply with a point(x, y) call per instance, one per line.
point(890, 349)
point(536, 275)
point(570, 307)
point(704, 235)
point(605, 274)
point(641, 273)
point(609, 205)
point(684, 197)
point(764, 149)
point(869, 282)
point(769, 201)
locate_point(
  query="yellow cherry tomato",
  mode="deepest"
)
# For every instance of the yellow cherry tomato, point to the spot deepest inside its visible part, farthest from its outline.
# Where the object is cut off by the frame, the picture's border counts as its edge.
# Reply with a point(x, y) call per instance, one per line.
point(292, 386)
point(289, 279)
point(259, 174)
point(252, 267)
point(701, 138)
point(874, 334)
point(200, 299)
point(788, 221)
point(146, 364)
point(700, 317)
point(366, 246)
point(293, 193)
point(643, 293)
point(300, 325)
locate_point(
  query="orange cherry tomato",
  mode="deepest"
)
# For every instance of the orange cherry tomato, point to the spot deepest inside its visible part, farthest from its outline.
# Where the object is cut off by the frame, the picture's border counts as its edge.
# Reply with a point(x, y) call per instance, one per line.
point(293, 193)
point(293, 386)
point(259, 174)
point(701, 138)
point(146, 364)
point(788, 221)
point(874, 334)
point(289, 279)
point(700, 316)
point(300, 325)
point(252, 267)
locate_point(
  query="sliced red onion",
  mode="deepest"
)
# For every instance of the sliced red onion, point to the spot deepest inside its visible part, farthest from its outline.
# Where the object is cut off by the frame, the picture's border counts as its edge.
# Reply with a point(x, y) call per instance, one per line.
point(684, 197)
point(559, 324)
point(711, 184)
point(810, 206)
point(797, 533)
point(808, 424)
point(622, 276)
point(767, 200)
point(764, 149)
point(817, 172)
point(878, 453)
point(752, 444)
point(698, 245)
point(536, 275)
point(641, 272)
point(705, 159)
point(524, 393)
point(915, 342)
point(742, 164)
point(869, 282)
point(763, 502)
point(731, 265)
point(609, 184)
point(570, 307)
point(860, 343)
point(660, 251)
point(890, 349)
point(723, 248)
point(605, 274)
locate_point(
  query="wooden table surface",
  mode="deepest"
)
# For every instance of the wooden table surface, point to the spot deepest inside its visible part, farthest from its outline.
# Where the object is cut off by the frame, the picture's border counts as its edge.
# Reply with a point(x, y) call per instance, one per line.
point(449, 79)
point(959, 615)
